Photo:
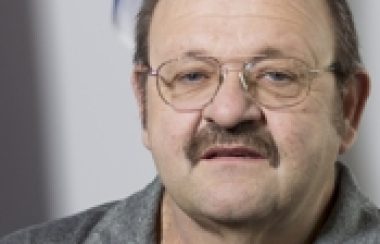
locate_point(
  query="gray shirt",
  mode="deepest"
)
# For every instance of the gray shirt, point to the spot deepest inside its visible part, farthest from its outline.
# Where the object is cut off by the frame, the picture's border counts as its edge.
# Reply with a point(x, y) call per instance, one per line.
point(353, 219)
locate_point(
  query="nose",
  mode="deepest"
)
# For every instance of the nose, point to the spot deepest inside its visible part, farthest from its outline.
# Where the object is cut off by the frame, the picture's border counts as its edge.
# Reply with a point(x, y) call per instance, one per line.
point(232, 104)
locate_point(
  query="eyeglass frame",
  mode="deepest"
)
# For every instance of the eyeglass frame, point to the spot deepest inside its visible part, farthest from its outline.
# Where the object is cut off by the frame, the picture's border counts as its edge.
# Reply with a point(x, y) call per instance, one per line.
point(148, 70)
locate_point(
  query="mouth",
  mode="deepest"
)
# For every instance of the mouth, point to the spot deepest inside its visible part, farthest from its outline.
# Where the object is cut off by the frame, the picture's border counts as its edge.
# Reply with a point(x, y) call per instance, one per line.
point(232, 152)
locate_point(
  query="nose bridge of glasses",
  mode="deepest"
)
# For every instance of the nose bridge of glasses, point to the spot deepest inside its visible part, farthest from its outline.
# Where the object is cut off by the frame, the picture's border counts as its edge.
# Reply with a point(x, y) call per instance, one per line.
point(237, 67)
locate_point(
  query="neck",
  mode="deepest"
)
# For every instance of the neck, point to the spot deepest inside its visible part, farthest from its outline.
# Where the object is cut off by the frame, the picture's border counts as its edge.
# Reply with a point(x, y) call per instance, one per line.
point(297, 226)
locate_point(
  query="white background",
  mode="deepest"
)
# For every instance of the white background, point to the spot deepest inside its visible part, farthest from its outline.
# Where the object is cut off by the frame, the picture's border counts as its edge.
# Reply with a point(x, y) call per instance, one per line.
point(91, 125)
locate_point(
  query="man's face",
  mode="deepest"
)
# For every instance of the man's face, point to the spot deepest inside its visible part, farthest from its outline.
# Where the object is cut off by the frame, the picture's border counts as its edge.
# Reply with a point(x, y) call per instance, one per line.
point(224, 180)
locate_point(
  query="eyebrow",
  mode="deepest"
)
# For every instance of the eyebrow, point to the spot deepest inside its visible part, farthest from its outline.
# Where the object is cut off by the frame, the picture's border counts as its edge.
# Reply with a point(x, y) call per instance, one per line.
point(195, 52)
point(272, 52)
point(268, 51)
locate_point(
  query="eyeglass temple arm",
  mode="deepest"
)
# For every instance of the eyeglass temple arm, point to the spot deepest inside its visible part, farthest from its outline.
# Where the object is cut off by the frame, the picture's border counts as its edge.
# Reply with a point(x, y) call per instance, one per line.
point(141, 68)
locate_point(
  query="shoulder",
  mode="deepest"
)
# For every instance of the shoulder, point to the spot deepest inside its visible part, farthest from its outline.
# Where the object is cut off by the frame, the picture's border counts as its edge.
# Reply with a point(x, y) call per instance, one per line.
point(67, 230)
point(353, 217)
point(87, 225)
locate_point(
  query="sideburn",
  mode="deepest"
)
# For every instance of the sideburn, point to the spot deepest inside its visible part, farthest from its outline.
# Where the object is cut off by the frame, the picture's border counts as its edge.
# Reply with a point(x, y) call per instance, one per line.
point(337, 117)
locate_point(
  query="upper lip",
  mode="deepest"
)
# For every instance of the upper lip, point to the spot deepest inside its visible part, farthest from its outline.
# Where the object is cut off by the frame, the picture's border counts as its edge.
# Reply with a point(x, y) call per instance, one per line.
point(228, 151)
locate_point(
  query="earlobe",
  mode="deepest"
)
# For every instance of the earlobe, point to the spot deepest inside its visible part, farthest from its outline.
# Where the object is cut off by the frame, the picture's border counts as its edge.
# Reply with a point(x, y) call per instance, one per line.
point(348, 138)
point(354, 99)
point(145, 138)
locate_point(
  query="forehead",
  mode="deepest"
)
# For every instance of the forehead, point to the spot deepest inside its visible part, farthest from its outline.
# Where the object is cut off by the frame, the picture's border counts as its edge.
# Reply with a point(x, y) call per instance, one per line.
point(300, 28)
point(177, 8)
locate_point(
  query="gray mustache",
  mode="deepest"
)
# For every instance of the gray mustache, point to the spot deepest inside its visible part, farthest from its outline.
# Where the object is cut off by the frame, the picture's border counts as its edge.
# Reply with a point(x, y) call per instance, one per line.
point(248, 134)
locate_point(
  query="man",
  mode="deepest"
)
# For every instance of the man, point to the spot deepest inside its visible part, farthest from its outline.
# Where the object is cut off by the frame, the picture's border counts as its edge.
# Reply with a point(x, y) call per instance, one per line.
point(245, 107)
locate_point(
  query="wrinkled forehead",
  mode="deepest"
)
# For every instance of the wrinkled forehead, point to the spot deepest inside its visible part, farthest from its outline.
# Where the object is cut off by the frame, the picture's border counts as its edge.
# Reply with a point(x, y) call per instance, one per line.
point(178, 8)
point(217, 19)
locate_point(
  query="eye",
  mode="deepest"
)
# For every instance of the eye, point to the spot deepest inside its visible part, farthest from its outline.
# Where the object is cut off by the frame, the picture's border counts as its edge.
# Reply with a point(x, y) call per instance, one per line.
point(193, 77)
point(279, 76)
point(274, 77)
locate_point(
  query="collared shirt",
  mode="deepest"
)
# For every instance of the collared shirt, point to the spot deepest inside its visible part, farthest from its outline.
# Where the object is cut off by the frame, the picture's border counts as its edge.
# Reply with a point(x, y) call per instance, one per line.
point(352, 219)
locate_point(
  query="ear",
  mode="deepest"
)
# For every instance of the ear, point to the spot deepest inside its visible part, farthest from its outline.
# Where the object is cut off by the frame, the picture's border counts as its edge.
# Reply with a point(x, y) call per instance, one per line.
point(139, 89)
point(354, 99)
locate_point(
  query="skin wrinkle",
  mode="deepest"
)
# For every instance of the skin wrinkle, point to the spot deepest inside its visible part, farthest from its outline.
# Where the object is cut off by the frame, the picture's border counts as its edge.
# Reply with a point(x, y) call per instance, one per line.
point(294, 7)
point(337, 117)
point(218, 45)
point(241, 38)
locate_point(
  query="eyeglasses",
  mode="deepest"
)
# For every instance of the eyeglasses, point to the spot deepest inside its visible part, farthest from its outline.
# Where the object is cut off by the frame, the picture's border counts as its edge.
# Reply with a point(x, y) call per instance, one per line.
point(191, 83)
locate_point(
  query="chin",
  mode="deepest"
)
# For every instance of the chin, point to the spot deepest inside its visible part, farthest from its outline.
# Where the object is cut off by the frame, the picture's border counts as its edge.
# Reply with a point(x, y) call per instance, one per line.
point(239, 215)
point(237, 207)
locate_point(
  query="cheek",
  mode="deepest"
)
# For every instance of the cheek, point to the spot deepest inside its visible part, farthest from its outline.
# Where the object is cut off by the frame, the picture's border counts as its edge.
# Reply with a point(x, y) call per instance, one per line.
point(289, 137)
point(307, 151)
point(306, 134)
point(167, 132)
point(304, 138)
